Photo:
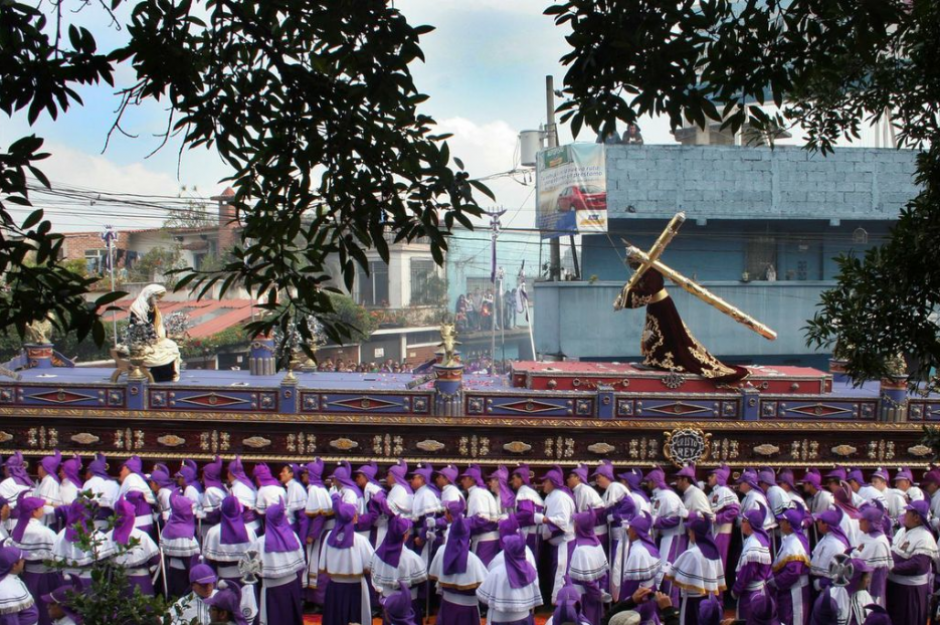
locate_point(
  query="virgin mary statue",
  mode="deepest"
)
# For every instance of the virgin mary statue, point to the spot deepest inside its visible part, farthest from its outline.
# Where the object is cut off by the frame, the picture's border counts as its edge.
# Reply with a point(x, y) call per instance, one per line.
point(163, 357)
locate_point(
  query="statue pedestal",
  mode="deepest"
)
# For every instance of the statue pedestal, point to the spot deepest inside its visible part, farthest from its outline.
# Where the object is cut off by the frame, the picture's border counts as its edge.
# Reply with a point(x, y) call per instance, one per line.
point(447, 386)
point(39, 355)
point(261, 360)
point(894, 399)
point(837, 369)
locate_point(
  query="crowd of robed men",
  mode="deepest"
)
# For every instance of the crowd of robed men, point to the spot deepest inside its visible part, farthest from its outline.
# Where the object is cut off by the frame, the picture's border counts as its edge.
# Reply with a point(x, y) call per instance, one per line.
point(602, 546)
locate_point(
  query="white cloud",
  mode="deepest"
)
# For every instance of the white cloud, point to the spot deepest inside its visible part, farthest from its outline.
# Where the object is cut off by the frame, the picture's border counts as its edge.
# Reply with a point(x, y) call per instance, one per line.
point(489, 148)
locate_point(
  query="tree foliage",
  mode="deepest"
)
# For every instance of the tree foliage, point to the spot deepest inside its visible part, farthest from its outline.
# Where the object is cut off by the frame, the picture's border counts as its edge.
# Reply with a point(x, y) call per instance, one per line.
point(827, 67)
point(311, 103)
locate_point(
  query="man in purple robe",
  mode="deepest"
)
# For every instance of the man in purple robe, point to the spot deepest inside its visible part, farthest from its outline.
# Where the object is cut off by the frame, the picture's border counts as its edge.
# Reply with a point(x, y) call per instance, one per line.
point(914, 551)
point(36, 542)
point(643, 568)
point(282, 562)
point(457, 571)
point(482, 514)
point(753, 569)
point(557, 523)
point(346, 558)
point(668, 512)
point(875, 548)
point(791, 570)
point(528, 504)
point(725, 507)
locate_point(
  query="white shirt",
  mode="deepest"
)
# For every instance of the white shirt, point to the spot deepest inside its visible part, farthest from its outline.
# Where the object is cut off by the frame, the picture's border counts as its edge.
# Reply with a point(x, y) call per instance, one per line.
point(106, 491)
point(268, 496)
point(48, 490)
point(482, 503)
point(559, 510)
point(695, 500)
point(666, 504)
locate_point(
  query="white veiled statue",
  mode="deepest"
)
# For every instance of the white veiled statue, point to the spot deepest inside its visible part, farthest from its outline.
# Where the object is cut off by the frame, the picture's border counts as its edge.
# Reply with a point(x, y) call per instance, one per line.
point(163, 358)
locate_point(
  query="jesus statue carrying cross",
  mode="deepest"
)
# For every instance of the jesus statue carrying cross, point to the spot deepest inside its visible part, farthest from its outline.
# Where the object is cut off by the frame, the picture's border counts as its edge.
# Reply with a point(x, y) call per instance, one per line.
point(667, 343)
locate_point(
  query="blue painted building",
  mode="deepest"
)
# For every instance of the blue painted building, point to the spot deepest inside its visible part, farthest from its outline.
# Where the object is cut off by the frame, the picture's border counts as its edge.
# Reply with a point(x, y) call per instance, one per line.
point(753, 214)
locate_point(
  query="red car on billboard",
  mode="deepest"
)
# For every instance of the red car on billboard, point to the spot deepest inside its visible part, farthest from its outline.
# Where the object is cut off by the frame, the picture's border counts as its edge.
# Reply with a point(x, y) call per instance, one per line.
point(582, 198)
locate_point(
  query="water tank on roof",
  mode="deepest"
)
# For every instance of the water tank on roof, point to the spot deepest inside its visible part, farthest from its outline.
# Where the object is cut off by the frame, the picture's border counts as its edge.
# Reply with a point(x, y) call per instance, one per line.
point(530, 142)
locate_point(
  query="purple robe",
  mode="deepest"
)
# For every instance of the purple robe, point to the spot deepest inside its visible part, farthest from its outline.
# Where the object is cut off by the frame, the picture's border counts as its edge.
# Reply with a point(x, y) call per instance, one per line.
point(750, 582)
point(878, 586)
point(486, 550)
point(793, 593)
point(40, 584)
point(455, 614)
point(284, 604)
point(647, 609)
point(909, 604)
point(725, 516)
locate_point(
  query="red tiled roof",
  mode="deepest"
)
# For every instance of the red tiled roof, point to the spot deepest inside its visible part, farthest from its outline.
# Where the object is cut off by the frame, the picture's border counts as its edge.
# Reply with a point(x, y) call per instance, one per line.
point(208, 317)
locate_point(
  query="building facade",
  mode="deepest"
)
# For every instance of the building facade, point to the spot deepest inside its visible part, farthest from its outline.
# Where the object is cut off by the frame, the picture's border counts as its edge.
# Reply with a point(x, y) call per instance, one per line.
point(763, 229)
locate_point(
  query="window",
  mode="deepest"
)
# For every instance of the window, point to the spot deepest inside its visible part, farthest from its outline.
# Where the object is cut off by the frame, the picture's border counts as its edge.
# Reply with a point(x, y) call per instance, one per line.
point(427, 288)
point(761, 256)
point(373, 288)
point(95, 261)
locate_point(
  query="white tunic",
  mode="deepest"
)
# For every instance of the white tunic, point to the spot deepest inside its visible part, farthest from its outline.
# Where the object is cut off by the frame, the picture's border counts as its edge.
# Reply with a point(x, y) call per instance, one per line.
point(451, 493)
point(828, 547)
point(296, 500)
point(425, 502)
point(135, 483)
point(471, 578)
point(245, 495)
point(507, 604)
point(268, 496)
point(14, 596)
point(411, 569)
point(138, 556)
point(211, 501)
point(48, 490)
point(721, 497)
point(697, 576)
point(778, 499)
point(751, 499)
point(821, 502)
point(213, 548)
point(106, 491)
point(559, 510)
point(10, 490)
point(68, 492)
point(696, 501)
point(349, 566)
point(38, 541)
point(908, 543)
point(481, 503)
point(318, 501)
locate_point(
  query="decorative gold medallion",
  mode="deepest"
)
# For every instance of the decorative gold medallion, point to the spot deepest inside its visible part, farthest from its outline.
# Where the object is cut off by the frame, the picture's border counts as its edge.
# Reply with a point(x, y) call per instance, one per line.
point(686, 446)
point(766, 449)
point(844, 450)
point(343, 444)
point(256, 442)
point(517, 447)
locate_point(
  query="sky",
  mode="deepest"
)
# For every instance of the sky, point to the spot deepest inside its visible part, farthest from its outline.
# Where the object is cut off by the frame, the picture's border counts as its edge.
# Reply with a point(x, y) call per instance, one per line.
point(485, 74)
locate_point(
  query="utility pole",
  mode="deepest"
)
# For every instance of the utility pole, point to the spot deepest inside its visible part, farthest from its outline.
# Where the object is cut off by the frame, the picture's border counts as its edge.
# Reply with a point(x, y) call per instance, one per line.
point(495, 278)
point(110, 238)
point(551, 132)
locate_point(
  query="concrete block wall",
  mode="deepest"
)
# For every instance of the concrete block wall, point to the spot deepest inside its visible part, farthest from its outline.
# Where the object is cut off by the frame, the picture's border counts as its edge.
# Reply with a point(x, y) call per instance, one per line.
point(578, 319)
point(729, 182)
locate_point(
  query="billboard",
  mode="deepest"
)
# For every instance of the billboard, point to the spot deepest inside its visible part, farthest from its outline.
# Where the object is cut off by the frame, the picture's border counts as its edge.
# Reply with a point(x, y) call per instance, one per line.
point(571, 184)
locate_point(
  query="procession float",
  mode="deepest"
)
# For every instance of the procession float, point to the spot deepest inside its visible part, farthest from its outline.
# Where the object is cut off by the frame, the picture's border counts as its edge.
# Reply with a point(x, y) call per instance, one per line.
point(680, 405)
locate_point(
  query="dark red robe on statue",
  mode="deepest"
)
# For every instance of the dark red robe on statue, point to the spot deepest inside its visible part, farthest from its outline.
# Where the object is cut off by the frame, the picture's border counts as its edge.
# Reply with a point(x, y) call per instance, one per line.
point(667, 343)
